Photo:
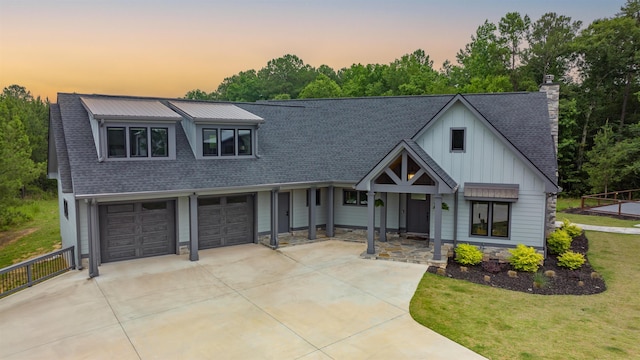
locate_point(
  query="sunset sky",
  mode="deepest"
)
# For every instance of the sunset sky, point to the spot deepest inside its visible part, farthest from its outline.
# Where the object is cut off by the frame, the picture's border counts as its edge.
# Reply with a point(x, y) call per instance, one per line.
point(168, 47)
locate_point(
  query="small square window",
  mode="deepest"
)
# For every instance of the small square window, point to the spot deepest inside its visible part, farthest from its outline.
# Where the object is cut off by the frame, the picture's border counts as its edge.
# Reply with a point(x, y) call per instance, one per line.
point(457, 140)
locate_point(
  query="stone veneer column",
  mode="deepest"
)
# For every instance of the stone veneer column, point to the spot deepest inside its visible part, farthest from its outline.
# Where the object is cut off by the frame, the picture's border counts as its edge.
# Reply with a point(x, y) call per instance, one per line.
point(552, 91)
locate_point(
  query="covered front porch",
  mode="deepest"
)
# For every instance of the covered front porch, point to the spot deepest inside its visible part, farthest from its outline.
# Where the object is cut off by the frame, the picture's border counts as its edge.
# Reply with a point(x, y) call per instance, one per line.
point(401, 248)
point(409, 170)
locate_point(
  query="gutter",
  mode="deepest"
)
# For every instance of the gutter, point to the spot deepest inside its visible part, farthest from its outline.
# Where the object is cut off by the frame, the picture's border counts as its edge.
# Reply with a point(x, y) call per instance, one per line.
point(216, 190)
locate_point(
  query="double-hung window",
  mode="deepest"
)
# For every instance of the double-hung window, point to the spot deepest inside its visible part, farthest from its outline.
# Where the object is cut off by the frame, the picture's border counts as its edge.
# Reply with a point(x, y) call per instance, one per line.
point(491, 219)
point(226, 142)
point(137, 142)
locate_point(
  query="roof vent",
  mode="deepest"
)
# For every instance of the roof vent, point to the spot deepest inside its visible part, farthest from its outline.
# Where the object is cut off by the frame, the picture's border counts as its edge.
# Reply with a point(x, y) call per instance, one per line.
point(548, 79)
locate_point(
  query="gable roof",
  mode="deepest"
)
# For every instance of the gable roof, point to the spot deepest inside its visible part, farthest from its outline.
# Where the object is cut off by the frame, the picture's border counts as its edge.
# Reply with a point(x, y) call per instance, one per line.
point(446, 184)
point(521, 121)
point(300, 142)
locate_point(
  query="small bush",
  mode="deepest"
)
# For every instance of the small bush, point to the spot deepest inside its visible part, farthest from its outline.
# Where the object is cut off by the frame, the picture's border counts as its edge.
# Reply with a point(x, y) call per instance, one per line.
point(525, 258)
point(540, 280)
point(571, 260)
point(559, 241)
point(467, 254)
point(572, 229)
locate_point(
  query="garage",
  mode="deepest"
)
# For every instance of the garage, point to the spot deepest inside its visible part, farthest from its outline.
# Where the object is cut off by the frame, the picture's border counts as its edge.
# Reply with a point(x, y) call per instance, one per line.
point(225, 221)
point(136, 230)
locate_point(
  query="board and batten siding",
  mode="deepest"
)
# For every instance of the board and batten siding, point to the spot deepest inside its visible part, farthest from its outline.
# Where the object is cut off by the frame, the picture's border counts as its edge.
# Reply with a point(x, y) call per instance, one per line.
point(486, 159)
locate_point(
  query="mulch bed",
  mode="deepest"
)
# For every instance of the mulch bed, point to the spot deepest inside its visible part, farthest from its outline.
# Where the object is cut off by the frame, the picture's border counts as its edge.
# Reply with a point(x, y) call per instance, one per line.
point(584, 281)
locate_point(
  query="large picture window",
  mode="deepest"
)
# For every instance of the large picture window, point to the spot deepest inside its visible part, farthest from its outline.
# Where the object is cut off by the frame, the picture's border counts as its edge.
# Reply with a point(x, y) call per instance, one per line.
point(490, 218)
point(226, 142)
point(143, 142)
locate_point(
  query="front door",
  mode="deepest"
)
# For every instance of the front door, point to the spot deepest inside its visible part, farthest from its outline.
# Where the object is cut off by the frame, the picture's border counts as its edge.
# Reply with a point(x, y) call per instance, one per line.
point(283, 212)
point(418, 213)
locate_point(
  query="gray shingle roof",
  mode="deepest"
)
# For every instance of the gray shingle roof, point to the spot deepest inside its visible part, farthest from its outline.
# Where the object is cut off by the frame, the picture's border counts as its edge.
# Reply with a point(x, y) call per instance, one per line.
point(300, 141)
point(64, 170)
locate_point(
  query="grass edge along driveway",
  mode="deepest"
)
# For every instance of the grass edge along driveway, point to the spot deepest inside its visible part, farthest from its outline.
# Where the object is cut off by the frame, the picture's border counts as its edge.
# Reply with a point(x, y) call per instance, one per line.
point(503, 324)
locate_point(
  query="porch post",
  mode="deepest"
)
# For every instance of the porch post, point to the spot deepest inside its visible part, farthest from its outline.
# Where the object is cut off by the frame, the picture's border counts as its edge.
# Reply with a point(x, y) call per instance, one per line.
point(274, 218)
point(437, 241)
point(94, 244)
point(312, 213)
point(330, 225)
point(193, 228)
point(371, 225)
point(383, 217)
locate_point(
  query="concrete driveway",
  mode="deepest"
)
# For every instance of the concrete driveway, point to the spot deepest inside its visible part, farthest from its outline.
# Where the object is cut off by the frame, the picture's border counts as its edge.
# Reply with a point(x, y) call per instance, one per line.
point(315, 301)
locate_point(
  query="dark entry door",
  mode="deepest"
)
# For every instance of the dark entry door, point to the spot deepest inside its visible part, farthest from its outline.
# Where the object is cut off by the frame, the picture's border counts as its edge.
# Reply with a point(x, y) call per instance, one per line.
point(283, 213)
point(418, 213)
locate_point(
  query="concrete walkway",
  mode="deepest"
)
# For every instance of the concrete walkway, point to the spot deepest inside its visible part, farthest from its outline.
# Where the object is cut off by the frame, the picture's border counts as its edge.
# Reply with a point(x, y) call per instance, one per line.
point(610, 229)
point(315, 301)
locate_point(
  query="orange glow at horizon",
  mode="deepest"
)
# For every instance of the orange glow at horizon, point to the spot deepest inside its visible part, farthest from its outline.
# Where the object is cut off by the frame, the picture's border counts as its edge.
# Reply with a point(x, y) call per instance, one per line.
point(167, 48)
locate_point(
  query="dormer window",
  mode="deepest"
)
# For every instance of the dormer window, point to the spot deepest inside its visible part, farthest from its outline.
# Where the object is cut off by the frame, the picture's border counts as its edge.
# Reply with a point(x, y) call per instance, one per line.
point(132, 129)
point(218, 130)
point(233, 142)
point(143, 142)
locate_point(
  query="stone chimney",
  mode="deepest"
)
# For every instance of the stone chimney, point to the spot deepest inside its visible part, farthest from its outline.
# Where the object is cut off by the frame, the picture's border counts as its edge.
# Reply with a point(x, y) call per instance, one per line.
point(553, 103)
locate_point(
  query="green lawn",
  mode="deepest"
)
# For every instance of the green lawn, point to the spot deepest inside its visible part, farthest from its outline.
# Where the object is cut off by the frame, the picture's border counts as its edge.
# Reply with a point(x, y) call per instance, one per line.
point(502, 324)
point(42, 234)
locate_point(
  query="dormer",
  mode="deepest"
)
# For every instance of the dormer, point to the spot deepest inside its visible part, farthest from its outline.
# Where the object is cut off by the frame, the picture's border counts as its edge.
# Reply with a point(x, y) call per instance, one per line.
point(218, 130)
point(130, 129)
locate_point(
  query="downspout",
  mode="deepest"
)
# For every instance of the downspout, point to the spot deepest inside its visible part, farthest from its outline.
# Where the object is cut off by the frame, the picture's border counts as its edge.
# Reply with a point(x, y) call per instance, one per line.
point(455, 219)
point(78, 238)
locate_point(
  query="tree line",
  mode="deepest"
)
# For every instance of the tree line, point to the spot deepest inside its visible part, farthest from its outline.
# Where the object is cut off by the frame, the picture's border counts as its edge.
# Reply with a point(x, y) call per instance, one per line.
point(23, 151)
point(597, 66)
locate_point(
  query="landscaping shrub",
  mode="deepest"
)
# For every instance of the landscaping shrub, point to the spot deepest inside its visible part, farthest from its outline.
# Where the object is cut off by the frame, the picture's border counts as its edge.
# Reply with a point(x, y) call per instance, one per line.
point(559, 241)
point(525, 258)
point(572, 229)
point(571, 260)
point(467, 254)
